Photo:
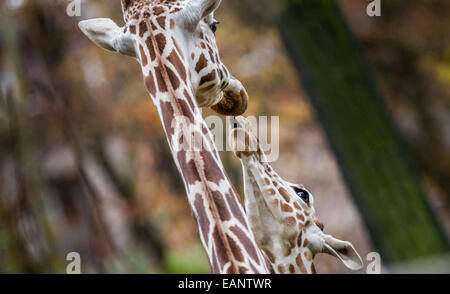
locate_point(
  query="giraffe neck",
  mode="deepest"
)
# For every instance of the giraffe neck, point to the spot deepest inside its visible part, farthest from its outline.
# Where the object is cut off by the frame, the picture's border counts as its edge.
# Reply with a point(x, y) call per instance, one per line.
point(223, 227)
point(285, 250)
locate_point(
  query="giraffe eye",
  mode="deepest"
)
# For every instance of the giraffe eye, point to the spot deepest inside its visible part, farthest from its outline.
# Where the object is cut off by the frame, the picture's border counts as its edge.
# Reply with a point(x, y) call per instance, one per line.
point(303, 194)
point(213, 26)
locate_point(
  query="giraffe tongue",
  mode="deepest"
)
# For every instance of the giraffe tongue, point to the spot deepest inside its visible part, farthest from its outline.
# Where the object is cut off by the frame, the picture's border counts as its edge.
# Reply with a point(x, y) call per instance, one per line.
point(344, 251)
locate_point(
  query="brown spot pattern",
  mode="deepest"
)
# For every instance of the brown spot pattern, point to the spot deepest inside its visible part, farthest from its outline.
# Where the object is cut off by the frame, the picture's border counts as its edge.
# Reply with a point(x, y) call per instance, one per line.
point(236, 210)
point(161, 42)
point(221, 206)
point(186, 110)
point(290, 221)
point(208, 78)
point(291, 268)
point(242, 270)
point(162, 22)
point(270, 256)
point(286, 207)
point(305, 242)
point(220, 248)
point(162, 87)
point(287, 250)
point(201, 63)
point(177, 47)
point(212, 170)
point(150, 84)
point(178, 64)
point(133, 30)
point(246, 242)
point(237, 252)
point(188, 168)
point(150, 48)
point(189, 99)
point(143, 56)
point(299, 239)
point(202, 218)
point(300, 264)
point(284, 194)
point(308, 255)
point(142, 28)
point(167, 114)
point(157, 10)
point(175, 82)
point(270, 191)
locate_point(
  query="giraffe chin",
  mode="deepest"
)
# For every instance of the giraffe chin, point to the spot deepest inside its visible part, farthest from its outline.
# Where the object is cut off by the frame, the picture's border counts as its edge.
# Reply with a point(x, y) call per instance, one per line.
point(233, 103)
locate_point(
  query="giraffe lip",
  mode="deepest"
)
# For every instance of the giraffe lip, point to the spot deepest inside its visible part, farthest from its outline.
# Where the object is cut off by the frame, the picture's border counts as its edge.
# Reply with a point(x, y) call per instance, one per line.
point(234, 100)
point(232, 103)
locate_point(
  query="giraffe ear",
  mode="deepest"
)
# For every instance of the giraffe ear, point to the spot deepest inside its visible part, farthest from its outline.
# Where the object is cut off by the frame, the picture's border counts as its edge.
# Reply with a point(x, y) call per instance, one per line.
point(107, 34)
point(344, 251)
point(242, 143)
point(196, 10)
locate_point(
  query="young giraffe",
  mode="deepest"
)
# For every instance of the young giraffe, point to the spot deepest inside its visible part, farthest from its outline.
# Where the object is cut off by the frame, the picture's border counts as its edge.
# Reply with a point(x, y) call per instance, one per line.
point(281, 214)
point(175, 45)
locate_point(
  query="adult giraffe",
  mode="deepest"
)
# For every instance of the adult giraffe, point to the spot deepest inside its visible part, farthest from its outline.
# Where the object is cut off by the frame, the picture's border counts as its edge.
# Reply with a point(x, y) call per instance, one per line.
point(174, 42)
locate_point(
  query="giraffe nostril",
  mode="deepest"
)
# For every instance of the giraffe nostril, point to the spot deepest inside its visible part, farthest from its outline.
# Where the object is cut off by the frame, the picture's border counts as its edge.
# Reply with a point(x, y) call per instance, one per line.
point(319, 223)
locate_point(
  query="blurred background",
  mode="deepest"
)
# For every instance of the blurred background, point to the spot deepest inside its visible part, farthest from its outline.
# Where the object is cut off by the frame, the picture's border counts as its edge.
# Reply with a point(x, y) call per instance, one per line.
point(85, 167)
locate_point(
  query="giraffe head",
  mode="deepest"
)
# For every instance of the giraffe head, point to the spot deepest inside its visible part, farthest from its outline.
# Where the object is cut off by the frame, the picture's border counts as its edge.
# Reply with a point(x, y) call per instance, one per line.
point(282, 215)
point(186, 27)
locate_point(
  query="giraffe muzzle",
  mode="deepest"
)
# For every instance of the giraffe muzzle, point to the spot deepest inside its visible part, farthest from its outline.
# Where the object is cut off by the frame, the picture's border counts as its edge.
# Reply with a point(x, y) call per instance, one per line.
point(234, 101)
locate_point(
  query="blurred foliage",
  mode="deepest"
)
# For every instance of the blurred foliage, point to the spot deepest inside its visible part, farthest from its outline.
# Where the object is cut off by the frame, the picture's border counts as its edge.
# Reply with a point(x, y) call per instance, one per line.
point(189, 260)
